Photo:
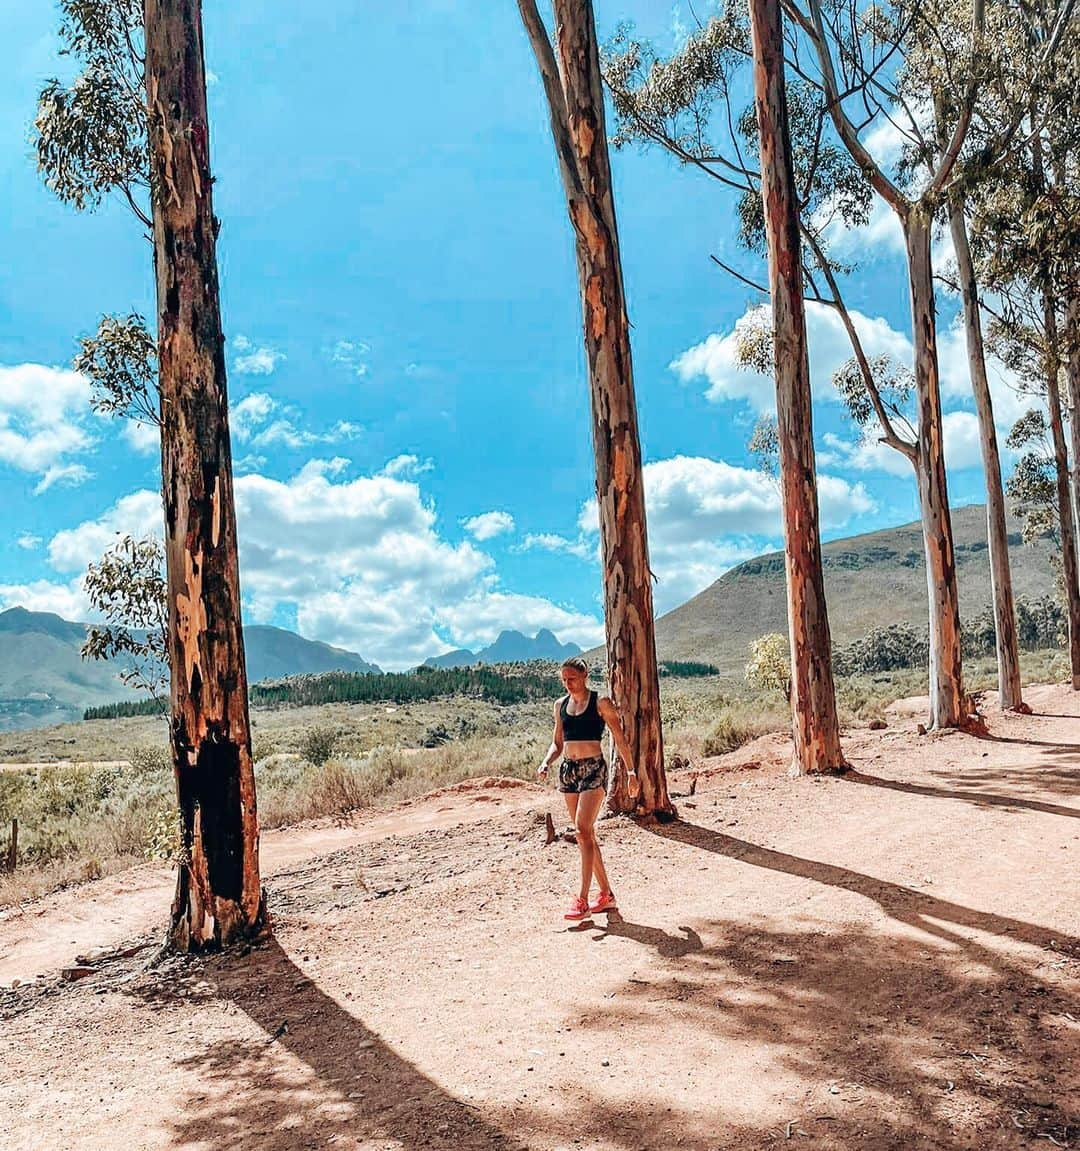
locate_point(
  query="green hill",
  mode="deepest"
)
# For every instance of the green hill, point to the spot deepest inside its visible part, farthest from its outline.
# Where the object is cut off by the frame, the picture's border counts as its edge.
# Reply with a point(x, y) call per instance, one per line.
point(871, 581)
point(44, 680)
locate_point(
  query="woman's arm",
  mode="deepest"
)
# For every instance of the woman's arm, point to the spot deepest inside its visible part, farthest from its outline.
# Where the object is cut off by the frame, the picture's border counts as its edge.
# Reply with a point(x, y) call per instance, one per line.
point(555, 750)
point(611, 717)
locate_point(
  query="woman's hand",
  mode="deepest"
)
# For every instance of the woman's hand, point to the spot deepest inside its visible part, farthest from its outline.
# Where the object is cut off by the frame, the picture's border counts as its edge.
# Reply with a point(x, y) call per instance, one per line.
point(543, 768)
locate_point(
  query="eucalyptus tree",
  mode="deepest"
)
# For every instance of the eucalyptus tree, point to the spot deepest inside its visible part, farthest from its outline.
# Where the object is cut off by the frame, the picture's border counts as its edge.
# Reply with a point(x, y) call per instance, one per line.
point(219, 896)
point(856, 53)
point(128, 588)
point(574, 90)
point(686, 104)
point(1026, 244)
point(90, 138)
point(134, 123)
point(816, 728)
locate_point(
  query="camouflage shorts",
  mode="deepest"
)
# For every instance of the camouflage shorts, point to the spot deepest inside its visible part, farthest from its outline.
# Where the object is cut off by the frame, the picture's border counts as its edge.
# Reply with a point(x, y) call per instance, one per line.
point(577, 775)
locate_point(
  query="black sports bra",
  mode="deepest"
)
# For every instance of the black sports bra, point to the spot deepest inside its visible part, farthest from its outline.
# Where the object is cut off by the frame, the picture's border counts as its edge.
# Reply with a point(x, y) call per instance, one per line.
point(589, 725)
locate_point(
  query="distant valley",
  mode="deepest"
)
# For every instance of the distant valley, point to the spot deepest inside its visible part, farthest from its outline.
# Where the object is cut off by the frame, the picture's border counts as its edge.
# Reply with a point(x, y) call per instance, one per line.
point(44, 679)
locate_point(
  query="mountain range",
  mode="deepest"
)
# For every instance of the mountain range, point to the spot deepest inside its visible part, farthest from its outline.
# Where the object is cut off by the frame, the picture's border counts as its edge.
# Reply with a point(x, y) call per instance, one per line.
point(44, 679)
point(871, 581)
point(509, 647)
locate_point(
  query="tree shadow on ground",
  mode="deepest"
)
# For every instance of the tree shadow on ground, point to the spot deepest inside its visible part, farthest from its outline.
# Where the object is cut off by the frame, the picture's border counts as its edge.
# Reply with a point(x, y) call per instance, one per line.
point(867, 1040)
point(905, 904)
point(970, 795)
point(1045, 780)
point(344, 1085)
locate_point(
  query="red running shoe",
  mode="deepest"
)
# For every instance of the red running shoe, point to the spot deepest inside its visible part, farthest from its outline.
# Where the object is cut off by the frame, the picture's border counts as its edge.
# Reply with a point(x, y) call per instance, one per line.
point(605, 901)
point(578, 909)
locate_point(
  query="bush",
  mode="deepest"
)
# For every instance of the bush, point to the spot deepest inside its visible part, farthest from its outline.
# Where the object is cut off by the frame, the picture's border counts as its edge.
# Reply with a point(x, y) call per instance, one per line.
point(163, 837)
point(318, 745)
point(727, 734)
point(149, 760)
point(883, 649)
point(769, 668)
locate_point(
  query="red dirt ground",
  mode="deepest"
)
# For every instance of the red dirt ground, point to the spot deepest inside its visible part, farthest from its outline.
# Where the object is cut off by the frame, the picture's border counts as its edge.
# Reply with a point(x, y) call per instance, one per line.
point(889, 960)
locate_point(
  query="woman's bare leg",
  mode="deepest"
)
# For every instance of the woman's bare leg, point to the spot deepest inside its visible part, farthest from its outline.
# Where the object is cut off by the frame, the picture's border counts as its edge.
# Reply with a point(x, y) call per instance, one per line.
point(585, 843)
point(592, 863)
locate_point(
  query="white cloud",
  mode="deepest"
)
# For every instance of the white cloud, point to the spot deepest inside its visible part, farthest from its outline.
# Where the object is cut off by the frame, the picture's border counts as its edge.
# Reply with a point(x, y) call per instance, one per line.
point(386, 584)
point(407, 466)
point(962, 446)
point(29, 542)
point(706, 515)
point(881, 237)
point(488, 525)
point(42, 420)
point(67, 600)
point(66, 475)
point(250, 413)
point(142, 437)
point(715, 360)
point(484, 615)
point(552, 542)
point(863, 455)
point(255, 361)
point(137, 514)
point(351, 354)
point(259, 420)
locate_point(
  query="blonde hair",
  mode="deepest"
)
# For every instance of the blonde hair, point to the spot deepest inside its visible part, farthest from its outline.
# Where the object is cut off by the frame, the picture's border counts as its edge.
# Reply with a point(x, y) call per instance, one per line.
point(577, 663)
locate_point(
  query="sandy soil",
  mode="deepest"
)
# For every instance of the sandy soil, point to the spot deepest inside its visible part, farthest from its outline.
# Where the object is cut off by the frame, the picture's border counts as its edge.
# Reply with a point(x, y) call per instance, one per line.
point(890, 960)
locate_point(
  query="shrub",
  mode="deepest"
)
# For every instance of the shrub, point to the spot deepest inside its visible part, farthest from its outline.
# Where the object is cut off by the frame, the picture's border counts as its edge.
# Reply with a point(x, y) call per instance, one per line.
point(149, 760)
point(727, 734)
point(769, 668)
point(318, 745)
point(163, 837)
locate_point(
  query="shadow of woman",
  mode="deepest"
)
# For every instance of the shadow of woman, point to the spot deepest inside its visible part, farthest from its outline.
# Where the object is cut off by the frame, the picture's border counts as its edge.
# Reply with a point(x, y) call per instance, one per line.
point(667, 946)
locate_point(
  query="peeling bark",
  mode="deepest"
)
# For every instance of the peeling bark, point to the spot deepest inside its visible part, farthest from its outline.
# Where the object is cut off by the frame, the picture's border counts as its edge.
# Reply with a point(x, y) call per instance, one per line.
point(948, 703)
point(1072, 340)
point(997, 534)
point(576, 101)
point(815, 726)
point(1061, 469)
point(218, 894)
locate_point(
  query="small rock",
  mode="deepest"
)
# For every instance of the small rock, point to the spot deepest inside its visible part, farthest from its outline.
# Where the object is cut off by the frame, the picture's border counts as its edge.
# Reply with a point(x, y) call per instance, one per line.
point(605, 1062)
point(921, 729)
point(73, 973)
point(878, 725)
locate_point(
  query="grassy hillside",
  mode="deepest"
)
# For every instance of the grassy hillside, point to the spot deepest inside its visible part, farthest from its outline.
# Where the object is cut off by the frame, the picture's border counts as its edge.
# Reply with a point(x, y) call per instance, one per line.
point(870, 580)
point(44, 679)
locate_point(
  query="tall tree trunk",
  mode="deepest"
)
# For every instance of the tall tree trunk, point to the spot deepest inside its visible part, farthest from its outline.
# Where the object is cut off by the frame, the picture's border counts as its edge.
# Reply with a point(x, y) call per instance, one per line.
point(218, 894)
point(1072, 341)
point(997, 533)
point(576, 101)
point(948, 705)
point(815, 726)
point(1061, 468)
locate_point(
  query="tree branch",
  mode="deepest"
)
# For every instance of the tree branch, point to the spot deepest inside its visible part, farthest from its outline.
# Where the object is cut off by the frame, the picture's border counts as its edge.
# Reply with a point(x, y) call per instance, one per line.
point(556, 97)
point(814, 28)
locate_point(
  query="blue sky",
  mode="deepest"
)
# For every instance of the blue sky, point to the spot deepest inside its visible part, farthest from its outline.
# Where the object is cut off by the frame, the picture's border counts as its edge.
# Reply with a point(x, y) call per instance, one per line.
point(410, 408)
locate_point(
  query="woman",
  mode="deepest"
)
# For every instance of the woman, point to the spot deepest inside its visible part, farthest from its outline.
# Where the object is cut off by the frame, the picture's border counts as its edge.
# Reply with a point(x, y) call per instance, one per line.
point(580, 717)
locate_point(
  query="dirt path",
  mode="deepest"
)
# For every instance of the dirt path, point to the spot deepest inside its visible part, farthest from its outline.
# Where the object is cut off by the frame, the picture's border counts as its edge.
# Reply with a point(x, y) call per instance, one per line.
point(48, 934)
point(890, 961)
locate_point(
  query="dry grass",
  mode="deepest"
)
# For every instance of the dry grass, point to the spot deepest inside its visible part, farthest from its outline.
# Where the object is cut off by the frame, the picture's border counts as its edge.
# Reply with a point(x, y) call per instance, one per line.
point(81, 820)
